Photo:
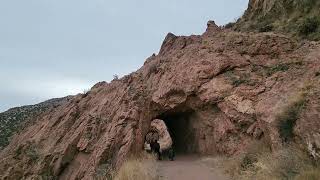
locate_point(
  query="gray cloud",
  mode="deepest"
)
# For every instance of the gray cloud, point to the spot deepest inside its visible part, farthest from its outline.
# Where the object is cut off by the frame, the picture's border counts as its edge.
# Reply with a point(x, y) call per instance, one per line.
point(55, 48)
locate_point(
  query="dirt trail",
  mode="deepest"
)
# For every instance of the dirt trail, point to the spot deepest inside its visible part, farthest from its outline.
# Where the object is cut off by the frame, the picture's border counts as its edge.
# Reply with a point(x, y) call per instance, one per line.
point(188, 168)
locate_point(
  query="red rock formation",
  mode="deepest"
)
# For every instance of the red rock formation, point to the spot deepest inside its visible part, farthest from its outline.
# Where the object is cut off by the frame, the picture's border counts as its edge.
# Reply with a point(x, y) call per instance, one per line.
point(159, 132)
point(221, 89)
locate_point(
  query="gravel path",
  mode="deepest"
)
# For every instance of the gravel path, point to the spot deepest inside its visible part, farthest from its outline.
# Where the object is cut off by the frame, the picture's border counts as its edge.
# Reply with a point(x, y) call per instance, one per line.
point(188, 168)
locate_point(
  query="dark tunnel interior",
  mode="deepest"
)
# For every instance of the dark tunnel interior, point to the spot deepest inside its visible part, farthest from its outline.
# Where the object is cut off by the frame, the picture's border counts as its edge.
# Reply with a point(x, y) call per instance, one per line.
point(181, 131)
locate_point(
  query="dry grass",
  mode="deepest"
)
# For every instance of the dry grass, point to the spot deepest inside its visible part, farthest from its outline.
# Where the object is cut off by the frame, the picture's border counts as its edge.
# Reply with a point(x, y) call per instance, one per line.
point(289, 114)
point(290, 162)
point(142, 167)
point(297, 17)
point(312, 174)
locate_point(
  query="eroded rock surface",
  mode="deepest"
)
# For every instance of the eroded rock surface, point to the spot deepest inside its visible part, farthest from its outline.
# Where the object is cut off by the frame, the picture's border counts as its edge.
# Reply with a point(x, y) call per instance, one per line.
point(228, 85)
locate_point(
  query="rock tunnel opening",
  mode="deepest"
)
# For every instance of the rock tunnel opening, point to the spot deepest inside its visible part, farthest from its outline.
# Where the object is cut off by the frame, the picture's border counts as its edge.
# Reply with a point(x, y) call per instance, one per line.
point(180, 126)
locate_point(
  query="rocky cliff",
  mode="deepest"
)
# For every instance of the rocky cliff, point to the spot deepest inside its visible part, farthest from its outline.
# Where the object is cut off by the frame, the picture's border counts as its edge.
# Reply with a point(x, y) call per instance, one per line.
point(217, 92)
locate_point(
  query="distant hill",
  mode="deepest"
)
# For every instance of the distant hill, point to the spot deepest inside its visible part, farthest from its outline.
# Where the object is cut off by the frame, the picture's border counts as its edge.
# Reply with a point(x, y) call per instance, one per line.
point(14, 119)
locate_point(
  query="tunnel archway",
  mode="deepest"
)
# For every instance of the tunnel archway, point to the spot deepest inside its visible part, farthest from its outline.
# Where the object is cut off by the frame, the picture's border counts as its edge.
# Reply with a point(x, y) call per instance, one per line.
point(180, 125)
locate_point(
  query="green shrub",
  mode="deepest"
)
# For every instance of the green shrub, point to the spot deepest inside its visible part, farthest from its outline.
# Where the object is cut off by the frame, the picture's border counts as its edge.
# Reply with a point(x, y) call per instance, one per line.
point(306, 5)
point(288, 116)
point(309, 26)
point(248, 161)
point(104, 171)
point(115, 77)
point(240, 165)
point(277, 68)
point(28, 150)
point(229, 25)
point(237, 80)
point(48, 174)
point(153, 69)
point(266, 28)
point(18, 152)
point(32, 153)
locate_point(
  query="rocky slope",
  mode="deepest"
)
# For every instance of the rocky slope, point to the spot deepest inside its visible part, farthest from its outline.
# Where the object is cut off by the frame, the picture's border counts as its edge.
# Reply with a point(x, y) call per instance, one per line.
point(14, 119)
point(300, 18)
point(217, 92)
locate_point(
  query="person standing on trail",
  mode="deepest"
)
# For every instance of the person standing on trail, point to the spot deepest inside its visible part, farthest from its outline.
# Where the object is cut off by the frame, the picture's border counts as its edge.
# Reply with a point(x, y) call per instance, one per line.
point(171, 154)
point(155, 148)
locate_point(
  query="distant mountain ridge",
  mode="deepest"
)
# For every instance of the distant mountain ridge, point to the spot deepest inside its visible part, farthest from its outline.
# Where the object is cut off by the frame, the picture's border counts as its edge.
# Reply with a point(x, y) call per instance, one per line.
point(14, 119)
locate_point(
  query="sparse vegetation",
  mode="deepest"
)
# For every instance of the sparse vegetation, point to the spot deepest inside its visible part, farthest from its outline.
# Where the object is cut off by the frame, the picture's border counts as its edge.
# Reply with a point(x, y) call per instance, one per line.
point(243, 163)
point(300, 18)
point(29, 150)
point(104, 172)
point(115, 77)
point(311, 174)
point(266, 28)
point(142, 167)
point(309, 26)
point(18, 152)
point(153, 68)
point(288, 116)
point(48, 175)
point(32, 153)
point(15, 119)
point(276, 68)
point(237, 80)
point(232, 23)
point(290, 162)
point(229, 25)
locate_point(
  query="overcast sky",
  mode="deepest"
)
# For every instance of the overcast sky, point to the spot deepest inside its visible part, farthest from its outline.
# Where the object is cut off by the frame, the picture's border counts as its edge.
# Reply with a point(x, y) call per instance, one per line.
point(54, 48)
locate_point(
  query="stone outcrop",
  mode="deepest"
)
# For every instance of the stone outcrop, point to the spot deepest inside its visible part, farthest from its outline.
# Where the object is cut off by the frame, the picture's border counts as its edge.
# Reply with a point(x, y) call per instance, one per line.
point(159, 132)
point(217, 92)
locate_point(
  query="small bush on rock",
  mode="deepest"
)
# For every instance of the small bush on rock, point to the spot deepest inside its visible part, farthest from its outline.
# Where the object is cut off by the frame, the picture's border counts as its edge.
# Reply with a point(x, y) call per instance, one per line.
point(229, 25)
point(309, 26)
point(237, 80)
point(32, 153)
point(115, 77)
point(277, 68)
point(266, 28)
point(104, 171)
point(153, 68)
point(288, 116)
point(29, 150)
